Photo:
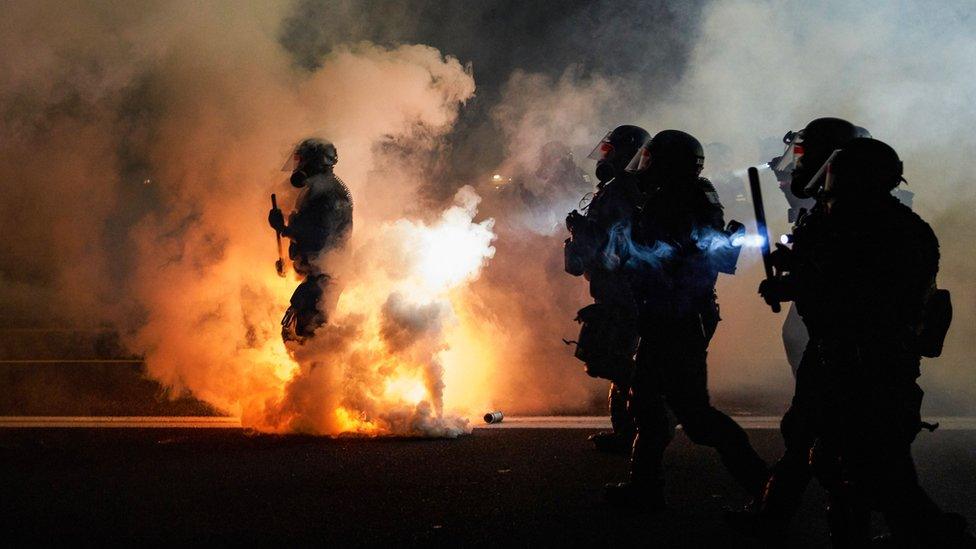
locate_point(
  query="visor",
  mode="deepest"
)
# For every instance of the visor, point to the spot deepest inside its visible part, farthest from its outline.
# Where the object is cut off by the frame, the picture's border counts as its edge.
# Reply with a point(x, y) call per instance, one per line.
point(602, 150)
point(291, 162)
point(640, 162)
point(794, 150)
point(823, 178)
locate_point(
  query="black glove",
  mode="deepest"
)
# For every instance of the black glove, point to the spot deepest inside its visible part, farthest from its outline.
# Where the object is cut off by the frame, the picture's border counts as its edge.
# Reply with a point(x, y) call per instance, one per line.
point(782, 258)
point(777, 289)
point(276, 219)
point(573, 221)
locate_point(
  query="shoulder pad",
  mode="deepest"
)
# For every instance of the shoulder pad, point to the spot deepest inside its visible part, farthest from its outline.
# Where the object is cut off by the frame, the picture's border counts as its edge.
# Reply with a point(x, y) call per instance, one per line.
point(343, 189)
point(710, 193)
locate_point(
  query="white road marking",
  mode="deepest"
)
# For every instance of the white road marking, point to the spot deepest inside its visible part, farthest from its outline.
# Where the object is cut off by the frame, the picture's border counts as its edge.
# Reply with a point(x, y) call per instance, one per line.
point(516, 422)
point(74, 361)
point(119, 422)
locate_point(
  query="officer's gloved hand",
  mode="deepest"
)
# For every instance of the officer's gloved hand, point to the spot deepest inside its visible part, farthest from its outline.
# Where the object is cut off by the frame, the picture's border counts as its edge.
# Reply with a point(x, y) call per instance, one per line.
point(782, 258)
point(777, 289)
point(276, 219)
point(573, 220)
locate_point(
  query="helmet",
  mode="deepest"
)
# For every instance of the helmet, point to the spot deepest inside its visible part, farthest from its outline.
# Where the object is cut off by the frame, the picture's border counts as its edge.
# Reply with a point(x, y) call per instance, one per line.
point(864, 167)
point(809, 148)
point(614, 151)
point(312, 156)
point(670, 152)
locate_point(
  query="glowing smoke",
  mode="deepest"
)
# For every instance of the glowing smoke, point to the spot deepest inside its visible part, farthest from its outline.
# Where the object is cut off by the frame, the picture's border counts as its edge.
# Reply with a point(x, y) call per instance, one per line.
point(204, 103)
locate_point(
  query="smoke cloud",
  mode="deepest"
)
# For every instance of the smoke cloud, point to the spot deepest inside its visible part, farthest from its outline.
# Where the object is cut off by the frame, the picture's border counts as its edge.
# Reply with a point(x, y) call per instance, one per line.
point(755, 70)
point(140, 146)
point(898, 69)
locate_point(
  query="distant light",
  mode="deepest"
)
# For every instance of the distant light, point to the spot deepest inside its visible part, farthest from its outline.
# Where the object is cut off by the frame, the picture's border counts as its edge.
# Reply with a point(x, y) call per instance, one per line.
point(748, 241)
point(496, 177)
point(146, 181)
point(785, 239)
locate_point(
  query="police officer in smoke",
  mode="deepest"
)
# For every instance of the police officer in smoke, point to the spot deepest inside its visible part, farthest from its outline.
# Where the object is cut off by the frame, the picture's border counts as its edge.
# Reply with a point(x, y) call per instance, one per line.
point(676, 252)
point(795, 334)
point(320, 223)
point(821, 137)
point(863, 279)
point(608, 337)
point(806, 152)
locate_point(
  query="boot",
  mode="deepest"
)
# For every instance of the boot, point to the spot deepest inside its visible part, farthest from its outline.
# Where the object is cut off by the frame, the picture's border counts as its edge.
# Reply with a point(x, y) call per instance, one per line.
point(612, 442)
point(636, 496)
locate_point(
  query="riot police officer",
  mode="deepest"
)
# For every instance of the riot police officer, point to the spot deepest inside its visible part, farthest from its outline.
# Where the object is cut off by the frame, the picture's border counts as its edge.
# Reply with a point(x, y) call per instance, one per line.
point(321, 222)
point(675, 285)
point(807, 151)
point(608, 338)
point(865, 285)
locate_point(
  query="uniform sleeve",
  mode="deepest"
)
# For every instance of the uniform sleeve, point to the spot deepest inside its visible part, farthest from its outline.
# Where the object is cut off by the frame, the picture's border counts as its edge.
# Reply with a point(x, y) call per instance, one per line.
point(920, 256)
point(713, 214)
point(929, 249)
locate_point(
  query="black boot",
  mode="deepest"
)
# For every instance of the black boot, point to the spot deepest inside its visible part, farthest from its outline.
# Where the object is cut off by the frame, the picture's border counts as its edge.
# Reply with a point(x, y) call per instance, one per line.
point(636, 496)
point(612, 442)
point(645, 491)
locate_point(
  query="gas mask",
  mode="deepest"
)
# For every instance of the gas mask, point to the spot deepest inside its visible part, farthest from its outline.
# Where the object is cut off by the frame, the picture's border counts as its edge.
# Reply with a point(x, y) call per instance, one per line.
point(297, 169)
point(603, 154)
point(298, 178)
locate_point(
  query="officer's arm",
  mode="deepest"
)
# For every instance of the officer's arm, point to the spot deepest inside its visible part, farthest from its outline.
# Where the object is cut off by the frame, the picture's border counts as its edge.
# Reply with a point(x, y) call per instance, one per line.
point(712, 212)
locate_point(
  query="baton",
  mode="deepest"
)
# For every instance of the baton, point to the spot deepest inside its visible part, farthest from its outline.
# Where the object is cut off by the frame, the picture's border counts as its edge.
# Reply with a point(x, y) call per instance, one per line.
point(280, 263)
point(757, 203)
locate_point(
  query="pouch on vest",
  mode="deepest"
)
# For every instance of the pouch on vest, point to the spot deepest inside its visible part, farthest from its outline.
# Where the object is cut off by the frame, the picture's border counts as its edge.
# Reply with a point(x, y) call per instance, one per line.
point(936, 319)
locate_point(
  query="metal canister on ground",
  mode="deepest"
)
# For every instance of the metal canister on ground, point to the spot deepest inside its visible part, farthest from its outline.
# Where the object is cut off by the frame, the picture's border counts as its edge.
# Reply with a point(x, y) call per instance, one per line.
point(494, 417)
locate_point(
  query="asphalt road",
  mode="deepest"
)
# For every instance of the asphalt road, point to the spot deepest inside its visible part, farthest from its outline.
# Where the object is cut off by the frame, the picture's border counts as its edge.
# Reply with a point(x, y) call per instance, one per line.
point(496, 487)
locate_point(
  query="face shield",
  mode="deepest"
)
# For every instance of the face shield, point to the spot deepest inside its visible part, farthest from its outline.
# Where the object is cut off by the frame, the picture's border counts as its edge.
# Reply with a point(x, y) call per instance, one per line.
point(603, 149)
point(793, 152)
point(291, 163)
point(824, 182)
point(603, 154)
point(640, 162)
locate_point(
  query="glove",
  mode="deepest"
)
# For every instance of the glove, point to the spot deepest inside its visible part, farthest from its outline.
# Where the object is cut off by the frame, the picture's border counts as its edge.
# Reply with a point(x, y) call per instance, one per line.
point(573, 220)
point(782, 258)
point(777, 289)
point(276, 219)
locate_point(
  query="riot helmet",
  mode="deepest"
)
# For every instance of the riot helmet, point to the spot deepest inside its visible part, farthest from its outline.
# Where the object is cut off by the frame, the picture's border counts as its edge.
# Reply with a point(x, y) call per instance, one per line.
point(311, 156)
point(864, 168)
point(808, 149)
point(616, 149)
point(669, 153)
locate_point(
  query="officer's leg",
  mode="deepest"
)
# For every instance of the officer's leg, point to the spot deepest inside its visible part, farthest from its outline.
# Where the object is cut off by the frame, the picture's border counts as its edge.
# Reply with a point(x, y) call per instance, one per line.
point(685, 386)
point(848, 507)
point(621, 438)
point(305, 316)
point(790, 475)
point(654, 433)
point(912, 517)
point(620, 418)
